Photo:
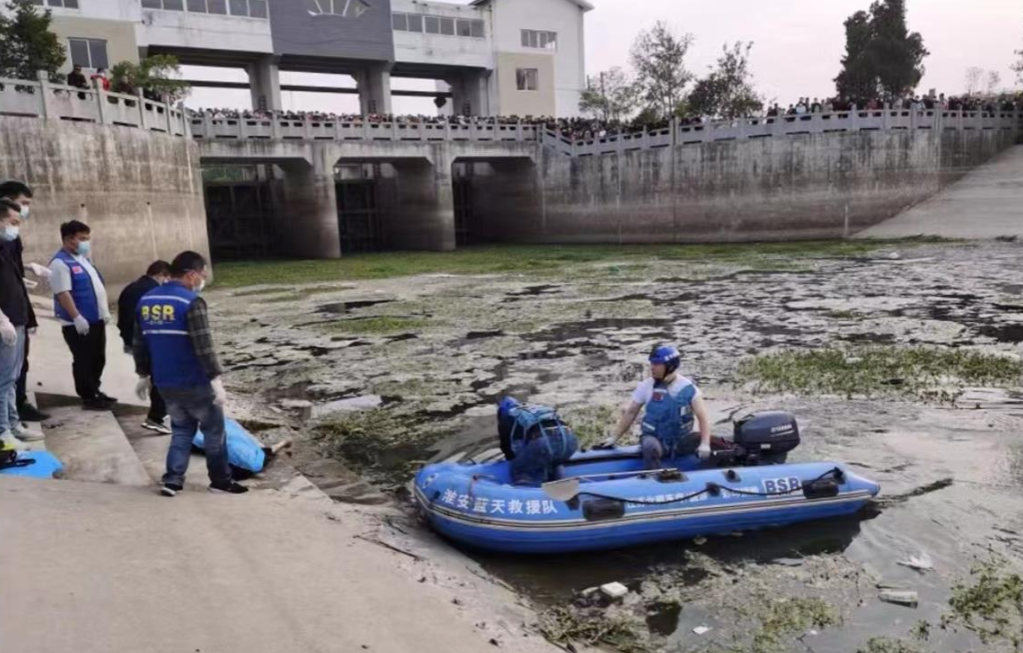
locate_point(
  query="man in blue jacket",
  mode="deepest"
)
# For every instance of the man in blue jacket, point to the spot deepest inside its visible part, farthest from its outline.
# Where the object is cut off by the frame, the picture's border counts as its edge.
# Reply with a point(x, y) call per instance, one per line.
point(173, 349)
point(81, 306)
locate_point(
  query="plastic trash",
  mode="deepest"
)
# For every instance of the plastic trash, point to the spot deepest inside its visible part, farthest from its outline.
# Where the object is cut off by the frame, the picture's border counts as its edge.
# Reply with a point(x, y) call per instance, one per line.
point(921, 562)
point(901, 597)
point(614, 590)
point(243, 449)
point(699, 630)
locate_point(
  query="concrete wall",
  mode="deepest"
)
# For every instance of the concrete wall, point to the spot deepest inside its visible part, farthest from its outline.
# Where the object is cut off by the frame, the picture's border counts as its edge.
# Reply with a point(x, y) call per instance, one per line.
point(802, 187)
point(439, 49)
point(140, 192)
point(199, 31)
point(541, 102)
point(364, 33)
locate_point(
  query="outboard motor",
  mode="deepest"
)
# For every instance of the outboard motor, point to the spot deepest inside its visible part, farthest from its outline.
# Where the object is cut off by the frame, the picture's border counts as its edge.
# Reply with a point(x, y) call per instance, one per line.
point(766, 438)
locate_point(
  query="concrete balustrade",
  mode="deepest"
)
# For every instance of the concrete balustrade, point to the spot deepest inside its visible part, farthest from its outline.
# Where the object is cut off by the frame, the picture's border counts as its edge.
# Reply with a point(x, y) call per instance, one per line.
point(54, 101)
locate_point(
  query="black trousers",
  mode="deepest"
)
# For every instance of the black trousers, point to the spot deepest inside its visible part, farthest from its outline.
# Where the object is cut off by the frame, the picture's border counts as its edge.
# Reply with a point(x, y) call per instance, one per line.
point(21, 389)
point(89, 354)
point(157, 407)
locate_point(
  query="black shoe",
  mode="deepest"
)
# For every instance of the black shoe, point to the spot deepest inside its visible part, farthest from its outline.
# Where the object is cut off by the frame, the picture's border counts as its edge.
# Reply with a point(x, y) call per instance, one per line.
point(170, 489)
point(230, 488)
point(30, 413)
point(106, 398)
point(95, 404)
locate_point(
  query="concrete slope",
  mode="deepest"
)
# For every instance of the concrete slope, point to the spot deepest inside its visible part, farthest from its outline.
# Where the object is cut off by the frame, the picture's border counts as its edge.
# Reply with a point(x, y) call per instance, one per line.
point(95, 568)
point(92, 447)
point(986, 203)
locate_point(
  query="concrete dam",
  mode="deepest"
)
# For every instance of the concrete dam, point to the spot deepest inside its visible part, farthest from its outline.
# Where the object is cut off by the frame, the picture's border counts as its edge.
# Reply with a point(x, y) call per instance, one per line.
point(153, 180)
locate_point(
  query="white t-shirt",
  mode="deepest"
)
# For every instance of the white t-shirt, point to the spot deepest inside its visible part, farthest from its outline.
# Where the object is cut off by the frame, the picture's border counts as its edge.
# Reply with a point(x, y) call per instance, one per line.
point(644, 392)
point(60, 281)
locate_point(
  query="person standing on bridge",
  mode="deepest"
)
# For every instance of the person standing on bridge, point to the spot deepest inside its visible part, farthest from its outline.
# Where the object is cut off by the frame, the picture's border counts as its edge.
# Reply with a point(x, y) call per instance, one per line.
point(80, 304)
point(174, 352)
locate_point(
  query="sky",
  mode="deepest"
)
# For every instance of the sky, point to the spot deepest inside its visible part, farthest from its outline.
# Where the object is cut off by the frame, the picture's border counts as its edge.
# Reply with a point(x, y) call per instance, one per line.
point(798, 46)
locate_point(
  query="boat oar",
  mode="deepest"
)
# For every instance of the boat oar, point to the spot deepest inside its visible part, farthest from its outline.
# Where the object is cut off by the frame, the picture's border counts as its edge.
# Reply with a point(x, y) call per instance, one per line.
point(563, 490)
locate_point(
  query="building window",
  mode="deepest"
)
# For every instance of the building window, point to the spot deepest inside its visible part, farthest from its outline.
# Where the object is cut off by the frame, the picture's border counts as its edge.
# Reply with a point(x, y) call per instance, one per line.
point(247, 8)
point(88, 53)
point(67, 4)
point(532, 38)
point(166, 5)
point(346, 8)
point(461, 27)
point(527, 79)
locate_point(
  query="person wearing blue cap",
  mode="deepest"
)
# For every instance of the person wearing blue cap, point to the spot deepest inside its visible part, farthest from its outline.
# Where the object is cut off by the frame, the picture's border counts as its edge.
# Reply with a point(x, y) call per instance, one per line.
point(670, 403)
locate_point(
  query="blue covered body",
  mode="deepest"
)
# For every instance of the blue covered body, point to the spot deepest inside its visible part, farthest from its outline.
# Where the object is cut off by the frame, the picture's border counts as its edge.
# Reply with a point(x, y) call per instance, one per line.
point(243, 449)
point(45, 465)
point(478, 506)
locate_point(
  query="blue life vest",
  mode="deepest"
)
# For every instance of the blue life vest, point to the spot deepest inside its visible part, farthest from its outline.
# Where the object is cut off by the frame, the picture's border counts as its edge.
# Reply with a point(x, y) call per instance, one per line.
point(82, 291)
point(163, 316)
point(668, 418)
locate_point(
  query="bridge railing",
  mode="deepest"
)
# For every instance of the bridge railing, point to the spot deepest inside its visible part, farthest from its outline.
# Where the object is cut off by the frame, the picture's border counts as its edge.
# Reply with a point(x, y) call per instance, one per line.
point(44, 99)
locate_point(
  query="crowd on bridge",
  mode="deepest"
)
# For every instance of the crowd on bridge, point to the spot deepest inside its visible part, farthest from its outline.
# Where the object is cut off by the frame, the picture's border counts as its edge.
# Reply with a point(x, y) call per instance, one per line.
point(588, 127)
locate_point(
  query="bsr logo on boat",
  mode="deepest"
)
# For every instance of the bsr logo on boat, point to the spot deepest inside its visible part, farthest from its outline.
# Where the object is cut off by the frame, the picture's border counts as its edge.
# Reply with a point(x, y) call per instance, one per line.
point(789, 484)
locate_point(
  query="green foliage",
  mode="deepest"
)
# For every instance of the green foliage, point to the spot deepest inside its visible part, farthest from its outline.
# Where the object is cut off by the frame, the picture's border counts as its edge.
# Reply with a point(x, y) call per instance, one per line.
point(611, 95)
point(881, 55)
point(567, 626)
point(158, 76)
point(887, 645)
point(928, 373)
point(780, 619)
point(727, 91)
point(26, 43)
point(658, 56)
point(990, 604)
point(377, 324)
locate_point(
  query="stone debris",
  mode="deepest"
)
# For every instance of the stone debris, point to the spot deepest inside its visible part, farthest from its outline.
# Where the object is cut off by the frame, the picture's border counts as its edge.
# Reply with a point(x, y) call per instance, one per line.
point(900, 597)
point(614, 590)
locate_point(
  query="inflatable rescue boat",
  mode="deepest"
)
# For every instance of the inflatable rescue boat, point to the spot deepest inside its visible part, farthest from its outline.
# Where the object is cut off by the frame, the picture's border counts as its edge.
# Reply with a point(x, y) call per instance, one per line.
point(602, 499)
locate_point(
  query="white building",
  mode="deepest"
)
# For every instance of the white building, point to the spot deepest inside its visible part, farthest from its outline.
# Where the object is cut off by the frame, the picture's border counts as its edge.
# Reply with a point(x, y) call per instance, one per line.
point(498, 57)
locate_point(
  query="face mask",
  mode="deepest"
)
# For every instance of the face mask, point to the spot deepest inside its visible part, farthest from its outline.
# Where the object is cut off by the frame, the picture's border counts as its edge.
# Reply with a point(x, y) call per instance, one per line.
point(24, 213)
point(11, 233)
point(84, 247)
point(202, 284)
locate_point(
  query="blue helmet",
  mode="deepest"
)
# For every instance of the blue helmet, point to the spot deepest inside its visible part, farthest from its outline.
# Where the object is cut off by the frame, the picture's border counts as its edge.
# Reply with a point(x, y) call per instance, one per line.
point(668, 355)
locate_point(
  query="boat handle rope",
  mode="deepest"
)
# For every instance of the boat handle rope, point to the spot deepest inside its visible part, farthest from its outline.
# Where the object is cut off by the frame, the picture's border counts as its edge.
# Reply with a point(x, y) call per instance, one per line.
point(714, 488)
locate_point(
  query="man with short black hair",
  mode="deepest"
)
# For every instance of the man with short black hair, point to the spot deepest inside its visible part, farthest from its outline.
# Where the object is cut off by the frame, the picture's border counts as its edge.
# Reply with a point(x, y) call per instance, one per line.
point(174, 352)
point(156, 275)
point(80, 304)
point(21, 194)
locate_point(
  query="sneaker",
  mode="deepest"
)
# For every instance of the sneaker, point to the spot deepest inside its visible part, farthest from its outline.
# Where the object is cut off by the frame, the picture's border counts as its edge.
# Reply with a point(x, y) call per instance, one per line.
point(159, 427)
point(30, 413)
point(170, 489)
point(11, 442)
point(26, 434)
point(230, 488)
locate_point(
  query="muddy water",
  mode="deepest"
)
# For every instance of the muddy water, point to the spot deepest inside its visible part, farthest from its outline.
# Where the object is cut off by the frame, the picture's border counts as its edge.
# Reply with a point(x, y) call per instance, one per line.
point(455, 345)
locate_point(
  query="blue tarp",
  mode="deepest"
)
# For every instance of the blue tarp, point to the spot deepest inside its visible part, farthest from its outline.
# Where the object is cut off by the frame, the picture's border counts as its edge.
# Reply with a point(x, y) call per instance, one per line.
point(45, 465)
point(243, 449)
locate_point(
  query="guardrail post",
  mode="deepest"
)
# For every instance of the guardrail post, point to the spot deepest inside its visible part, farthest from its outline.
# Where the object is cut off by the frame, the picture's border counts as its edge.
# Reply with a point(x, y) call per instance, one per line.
point(142, 109)
point(518, 131)
point(365, 129)
point(167, 117)
point(394, 131)
point(447, 131)
point(186, 121)
point(307, 127)
point(101, 100)
point(243, 127)
point(422, 131)
point(674, 131)
point(45, 92)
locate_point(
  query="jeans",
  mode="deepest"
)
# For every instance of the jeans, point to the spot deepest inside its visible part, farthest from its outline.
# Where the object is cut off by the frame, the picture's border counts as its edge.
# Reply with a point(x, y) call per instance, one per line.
point(192, 409)
point(11, 359)
point(89, 357)
point(653, 450)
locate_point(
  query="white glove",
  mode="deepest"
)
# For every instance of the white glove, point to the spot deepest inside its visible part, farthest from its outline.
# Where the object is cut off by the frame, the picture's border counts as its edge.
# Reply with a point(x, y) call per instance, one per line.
point(703, 451)
point(81, 325)
point(219, 394)
point(40, 271)
point(142, 388)
point(7, 333)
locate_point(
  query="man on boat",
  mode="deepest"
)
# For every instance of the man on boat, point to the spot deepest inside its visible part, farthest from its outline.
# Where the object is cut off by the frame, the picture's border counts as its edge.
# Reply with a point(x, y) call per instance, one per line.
point(671, 401)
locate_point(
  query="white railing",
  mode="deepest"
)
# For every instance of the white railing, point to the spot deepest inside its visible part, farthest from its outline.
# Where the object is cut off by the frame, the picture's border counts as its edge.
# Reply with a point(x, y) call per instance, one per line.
point(43, 99)
point(58, 102)
point(781, 126)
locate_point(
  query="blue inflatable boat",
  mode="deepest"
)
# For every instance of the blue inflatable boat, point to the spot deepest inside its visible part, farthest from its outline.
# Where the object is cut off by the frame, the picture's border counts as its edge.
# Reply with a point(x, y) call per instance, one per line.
point(602, 499)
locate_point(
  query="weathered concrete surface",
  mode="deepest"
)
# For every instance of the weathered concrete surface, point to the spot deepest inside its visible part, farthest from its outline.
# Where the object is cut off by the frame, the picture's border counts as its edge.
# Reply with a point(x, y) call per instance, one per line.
point(986, 203)
point(141, 192)
point(123, 569)
point(92, 447)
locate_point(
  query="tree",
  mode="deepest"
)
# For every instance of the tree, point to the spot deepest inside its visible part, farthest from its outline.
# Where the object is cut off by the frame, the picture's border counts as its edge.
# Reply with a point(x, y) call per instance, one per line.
point(973, 75)
point(658, 56)
point(1018, 66)
point(993, 80)
point(28, 45)
point(727, 91)
point(612, 95)
point(158, 77)
point(881, 55)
